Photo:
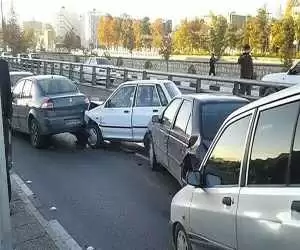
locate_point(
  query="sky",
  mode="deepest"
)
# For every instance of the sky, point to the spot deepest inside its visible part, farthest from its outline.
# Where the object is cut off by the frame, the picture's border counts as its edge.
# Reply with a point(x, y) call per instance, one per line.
point(44, 10)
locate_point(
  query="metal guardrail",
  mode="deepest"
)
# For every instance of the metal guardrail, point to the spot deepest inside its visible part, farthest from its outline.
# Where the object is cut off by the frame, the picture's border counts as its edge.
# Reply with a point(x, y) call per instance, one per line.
point(111, 77)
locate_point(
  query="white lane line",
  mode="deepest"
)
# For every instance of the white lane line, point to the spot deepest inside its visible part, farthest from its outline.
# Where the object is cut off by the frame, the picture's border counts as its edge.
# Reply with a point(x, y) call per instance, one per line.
point(55, 230)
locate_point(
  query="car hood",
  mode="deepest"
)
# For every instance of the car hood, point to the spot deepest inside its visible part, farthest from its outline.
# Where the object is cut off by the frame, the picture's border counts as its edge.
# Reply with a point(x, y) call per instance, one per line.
point(276, 77)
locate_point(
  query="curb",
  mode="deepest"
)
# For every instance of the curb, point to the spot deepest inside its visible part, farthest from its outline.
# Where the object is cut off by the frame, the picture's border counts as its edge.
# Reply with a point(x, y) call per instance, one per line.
point(54, 229)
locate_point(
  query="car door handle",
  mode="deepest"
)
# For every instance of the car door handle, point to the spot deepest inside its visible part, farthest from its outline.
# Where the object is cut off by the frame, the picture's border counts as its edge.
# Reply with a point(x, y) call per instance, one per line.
point(228, 201)
point(155, 110)
point(295, 206)
point(126, 111)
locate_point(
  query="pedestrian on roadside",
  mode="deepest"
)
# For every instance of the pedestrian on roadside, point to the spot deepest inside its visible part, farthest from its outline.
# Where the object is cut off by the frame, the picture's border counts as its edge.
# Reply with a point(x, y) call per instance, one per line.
point(212, 65)
point(246, 63)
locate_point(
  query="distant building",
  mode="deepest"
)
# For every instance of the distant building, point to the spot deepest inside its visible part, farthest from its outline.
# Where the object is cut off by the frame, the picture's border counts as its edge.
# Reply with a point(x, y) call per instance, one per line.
point(47, 40)
point(237, 21)
point(67, 21)
point(92, 22)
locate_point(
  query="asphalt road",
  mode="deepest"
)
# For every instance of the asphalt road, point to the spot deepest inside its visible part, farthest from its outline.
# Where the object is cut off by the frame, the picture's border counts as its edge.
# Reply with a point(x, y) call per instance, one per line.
point(107, 198)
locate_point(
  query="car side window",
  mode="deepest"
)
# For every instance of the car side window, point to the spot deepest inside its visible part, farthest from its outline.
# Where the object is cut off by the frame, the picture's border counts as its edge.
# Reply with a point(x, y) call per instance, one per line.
point(188, 130)
point(170, 112)
point(162, 96)
point(27, 89)
point(18, 89)
point(182, 118)
point(272, 144)
point(147, 96)
point(123, 98)
point(224, 163)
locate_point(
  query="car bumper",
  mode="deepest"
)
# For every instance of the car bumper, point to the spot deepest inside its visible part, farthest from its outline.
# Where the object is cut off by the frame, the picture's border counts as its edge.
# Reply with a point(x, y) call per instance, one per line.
point(61, 125)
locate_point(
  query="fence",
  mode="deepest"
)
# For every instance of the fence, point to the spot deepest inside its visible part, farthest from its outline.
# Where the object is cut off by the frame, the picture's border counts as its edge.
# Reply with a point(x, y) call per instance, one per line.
point(111, 77)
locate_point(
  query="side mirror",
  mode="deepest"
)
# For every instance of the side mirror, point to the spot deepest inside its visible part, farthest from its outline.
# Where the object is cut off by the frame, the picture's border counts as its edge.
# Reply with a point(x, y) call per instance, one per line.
point(193, 139)
point(156, 119)
point(194, 178)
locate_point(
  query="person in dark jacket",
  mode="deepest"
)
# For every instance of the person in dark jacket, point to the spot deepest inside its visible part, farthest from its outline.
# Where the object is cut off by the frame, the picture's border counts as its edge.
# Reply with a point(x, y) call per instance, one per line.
point(246, 62)
point(212, 65)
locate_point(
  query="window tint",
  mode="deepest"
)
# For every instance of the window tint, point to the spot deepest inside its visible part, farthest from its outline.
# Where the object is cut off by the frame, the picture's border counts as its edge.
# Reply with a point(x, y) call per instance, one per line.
point(172, 89)
point(272, 144)
point(162, 97)
point(147, 97)
point(51, 86)
point(213, 116)
point(295, 162)
point(223, 166)
point(123, 98)
point(18, 89)
point(183, 116)
point(170, 112)
point(27, 89)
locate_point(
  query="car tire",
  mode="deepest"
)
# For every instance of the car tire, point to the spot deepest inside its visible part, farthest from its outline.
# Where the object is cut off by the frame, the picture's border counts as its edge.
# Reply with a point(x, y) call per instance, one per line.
point(152, 157)
point(36, 138)
point(94, 136)
point(82, 138)
point(181, 239)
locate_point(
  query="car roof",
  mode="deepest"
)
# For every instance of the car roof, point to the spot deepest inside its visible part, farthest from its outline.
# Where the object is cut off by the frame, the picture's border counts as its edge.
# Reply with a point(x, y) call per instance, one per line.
point(43, 77)
point(154, 81)
point(25, 73)
point(291, 91)
point(211, 98)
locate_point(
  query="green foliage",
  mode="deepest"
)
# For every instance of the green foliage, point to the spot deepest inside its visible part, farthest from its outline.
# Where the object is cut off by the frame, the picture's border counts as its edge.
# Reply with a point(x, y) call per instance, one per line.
point(127, 35)
point(166, 49)
point(217, 35)
point(72, 41)
point(287, 48)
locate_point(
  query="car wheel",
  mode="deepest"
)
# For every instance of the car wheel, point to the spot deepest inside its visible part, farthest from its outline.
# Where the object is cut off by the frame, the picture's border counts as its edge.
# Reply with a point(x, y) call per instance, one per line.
point(181, 239)
point(37, 140)
point(94, 137)
point(152, 157)
point(82, 137)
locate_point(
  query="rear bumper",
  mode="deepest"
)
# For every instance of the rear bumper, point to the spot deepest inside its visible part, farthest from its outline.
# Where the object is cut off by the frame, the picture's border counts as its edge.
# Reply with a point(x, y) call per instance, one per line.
point(61, 125)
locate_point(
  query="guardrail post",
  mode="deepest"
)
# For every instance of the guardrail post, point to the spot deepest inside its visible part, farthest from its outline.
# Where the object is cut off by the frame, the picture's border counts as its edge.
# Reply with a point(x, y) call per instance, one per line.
point(38, 66)
point(32, 66)
point(198, 85)
point(81, 73)
point(52, 68)
point(61, 69)
point(170, 78)
point(235, 90)
point(125, 78)
point(144, 75)
point(107, 85)
point(45, 68)
point(71, 71)
point(94, 75)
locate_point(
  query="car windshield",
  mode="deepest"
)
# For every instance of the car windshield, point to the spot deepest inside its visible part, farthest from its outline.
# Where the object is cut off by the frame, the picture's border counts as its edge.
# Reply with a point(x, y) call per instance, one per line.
point(103, 61)
point(51, 86)
point(214, 114)
point(172, 89)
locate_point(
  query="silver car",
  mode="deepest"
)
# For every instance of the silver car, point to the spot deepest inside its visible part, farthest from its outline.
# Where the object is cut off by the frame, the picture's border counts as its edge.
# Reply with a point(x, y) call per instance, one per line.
point(246, 193)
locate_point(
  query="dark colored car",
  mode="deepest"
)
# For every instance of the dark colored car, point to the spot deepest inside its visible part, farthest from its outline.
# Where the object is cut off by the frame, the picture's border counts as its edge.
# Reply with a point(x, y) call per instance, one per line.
point(179, 138)
point(47, 105)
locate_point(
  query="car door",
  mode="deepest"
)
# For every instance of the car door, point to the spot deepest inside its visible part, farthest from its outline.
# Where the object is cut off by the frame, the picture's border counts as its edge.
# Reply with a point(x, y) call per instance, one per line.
point(269, 203)
point(24, 105)
point(146, 105)
point(160, 132)
point(178, 139)
point(214, 206)
point(115, 118)
point(16, 103)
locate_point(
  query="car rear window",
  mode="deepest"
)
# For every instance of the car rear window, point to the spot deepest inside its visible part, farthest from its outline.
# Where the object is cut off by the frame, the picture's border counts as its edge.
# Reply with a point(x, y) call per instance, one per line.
point(56, 86)
point(214, 114)
point(172, 89)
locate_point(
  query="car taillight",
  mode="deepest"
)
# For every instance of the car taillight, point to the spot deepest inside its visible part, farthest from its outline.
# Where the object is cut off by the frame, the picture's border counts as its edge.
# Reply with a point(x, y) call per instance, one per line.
point(47, 104)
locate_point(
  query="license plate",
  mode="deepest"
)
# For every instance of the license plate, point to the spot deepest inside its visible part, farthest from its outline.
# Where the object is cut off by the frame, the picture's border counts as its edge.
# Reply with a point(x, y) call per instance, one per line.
point(72, 122)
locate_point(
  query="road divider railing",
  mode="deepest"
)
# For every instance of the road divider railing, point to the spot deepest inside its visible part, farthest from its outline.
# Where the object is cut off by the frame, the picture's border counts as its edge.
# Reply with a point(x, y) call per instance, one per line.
point(110, 77)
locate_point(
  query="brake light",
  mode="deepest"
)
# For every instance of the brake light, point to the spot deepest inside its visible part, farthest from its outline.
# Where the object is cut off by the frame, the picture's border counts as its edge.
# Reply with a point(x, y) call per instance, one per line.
point(47, 104)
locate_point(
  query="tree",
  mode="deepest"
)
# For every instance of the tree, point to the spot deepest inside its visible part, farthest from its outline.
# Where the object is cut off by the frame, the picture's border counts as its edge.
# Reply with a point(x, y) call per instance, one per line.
point(137, 34)
point(12, 34)
point(217, 35)
point(181, 44)
point(289, 7)
point(28, 39)
point(232, 37)
point(127, 34)
point(116, 31)
point(71, 41)
point(146, 32)
point(166, 49)
point(263, 29)
point(106, 31)
point(287, 48)
point(157, 30)
point(277, 37)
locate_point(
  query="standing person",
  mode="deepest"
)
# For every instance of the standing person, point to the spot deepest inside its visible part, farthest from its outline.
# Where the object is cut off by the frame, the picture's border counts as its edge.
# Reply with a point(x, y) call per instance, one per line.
point(246, 62)
point(212, 65)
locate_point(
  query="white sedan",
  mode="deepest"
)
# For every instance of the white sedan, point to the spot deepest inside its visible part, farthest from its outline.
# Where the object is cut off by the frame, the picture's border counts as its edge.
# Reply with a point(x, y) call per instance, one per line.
point(292, 76)
point(125, 115)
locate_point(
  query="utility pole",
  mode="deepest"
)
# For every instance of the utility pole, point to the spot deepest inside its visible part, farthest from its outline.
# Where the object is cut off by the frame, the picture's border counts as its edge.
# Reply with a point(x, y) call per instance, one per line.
point(5, 226)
